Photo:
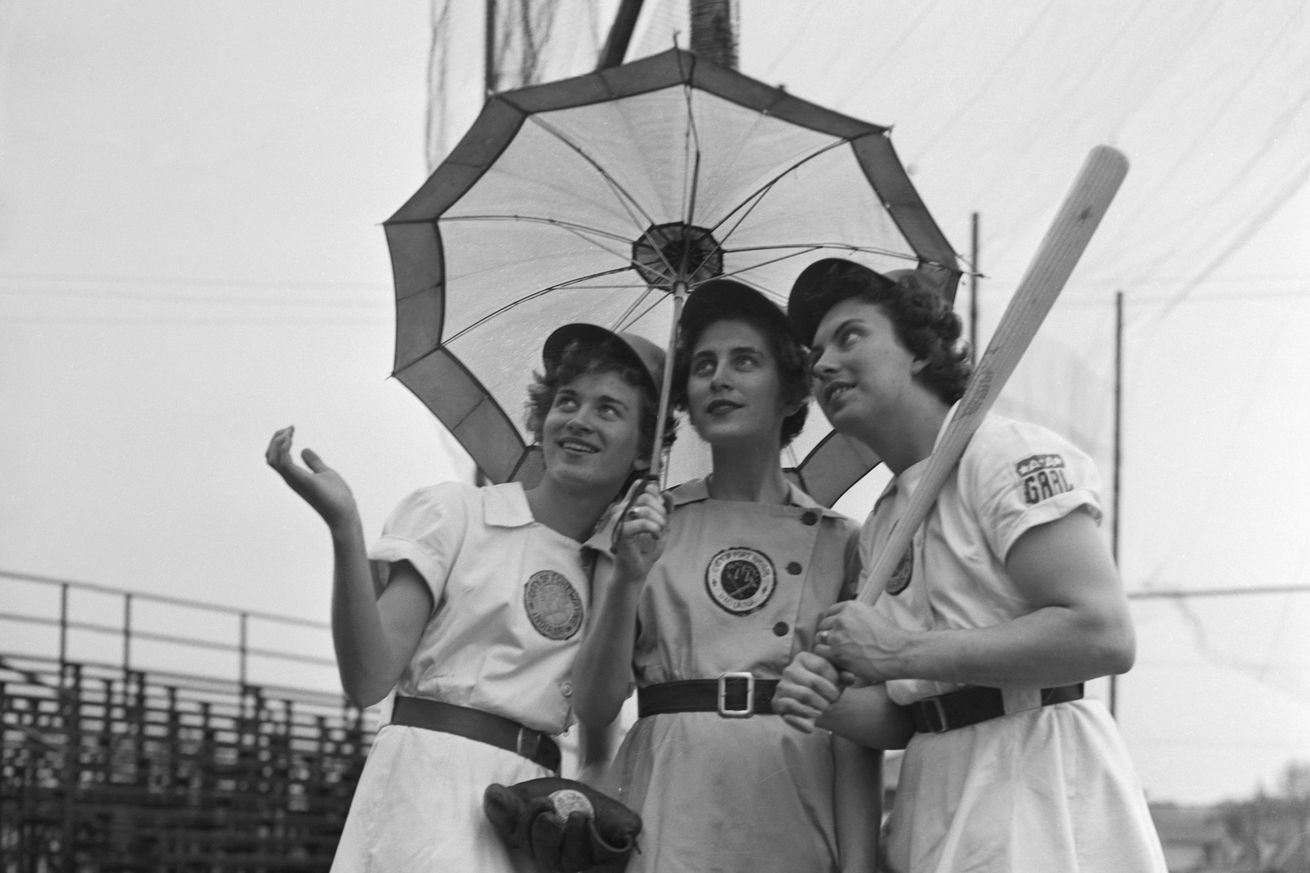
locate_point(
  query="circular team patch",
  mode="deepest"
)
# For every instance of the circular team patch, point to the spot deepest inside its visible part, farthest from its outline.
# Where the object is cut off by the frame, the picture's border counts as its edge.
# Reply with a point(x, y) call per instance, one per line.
point(740, 580)
point(900, 579)
point(553, 605)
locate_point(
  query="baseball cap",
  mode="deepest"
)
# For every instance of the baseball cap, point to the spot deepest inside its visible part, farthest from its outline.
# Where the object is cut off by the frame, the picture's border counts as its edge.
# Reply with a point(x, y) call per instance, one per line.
point(827, 282)
point(641, 352)
point(724, 298)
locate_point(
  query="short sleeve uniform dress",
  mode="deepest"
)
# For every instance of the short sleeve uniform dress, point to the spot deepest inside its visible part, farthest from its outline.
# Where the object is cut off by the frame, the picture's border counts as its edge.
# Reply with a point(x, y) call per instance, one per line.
point(509, 599)
point(1041, 788)
point(739, 587)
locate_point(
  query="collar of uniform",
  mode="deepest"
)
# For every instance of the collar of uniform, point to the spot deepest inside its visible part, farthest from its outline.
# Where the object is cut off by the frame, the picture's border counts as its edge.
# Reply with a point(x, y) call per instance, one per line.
point(506, 505)
point(698, 489)
point(602, 537)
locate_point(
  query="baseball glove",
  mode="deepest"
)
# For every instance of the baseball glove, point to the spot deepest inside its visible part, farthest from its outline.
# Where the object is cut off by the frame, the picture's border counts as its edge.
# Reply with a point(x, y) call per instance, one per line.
point(566, 826)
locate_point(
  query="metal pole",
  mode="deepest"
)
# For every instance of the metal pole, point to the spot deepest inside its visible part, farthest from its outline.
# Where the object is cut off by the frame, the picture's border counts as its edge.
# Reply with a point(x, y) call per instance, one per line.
point(489, 59)
point(63, 626)
point(127, 632)
point(973, 288)
point(1118, 415)
point(1118, 455)
point(243, 647)
point(616, 44)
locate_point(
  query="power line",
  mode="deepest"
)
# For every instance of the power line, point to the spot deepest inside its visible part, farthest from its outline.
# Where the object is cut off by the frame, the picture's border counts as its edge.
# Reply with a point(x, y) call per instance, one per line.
point(164, 297)
point(1177, 593)
point(195, 281)
point(202, 320)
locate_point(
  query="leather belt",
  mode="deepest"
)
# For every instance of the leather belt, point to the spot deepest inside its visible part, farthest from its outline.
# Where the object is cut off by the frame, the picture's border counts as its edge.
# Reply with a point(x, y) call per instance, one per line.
point(732, 695)
point(474, 724)
point(975, 703)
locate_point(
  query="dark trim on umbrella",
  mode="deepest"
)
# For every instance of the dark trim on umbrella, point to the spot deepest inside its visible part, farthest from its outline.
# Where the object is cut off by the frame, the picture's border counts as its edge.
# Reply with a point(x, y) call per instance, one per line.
point(424, 361)
point(906, 207)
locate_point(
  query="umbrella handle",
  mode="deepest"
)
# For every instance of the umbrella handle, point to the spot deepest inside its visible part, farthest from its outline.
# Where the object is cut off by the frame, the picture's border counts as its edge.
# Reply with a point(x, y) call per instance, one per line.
point(666, 383)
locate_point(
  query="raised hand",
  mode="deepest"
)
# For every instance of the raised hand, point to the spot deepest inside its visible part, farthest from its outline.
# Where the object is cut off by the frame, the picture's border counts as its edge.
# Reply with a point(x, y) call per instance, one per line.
point(318, 484)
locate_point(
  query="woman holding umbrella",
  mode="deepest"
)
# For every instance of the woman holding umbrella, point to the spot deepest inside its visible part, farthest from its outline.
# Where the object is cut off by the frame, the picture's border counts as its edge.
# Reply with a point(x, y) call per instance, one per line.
point(486, 594)
point(748, 564)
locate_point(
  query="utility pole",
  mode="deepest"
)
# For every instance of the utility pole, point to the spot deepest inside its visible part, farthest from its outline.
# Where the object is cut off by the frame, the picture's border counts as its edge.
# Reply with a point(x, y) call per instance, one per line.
point(489, 50)
point(973, 288)
point(1118, 454)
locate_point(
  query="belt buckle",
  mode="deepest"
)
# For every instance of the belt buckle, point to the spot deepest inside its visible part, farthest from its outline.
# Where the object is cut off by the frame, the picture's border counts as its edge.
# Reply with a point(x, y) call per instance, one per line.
point(521, 747)
point(935, 708)
point(749, 709)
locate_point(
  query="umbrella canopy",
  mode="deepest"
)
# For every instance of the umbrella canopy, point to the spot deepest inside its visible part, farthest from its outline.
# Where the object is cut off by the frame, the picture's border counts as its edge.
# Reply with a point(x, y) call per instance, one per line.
point(595, 198)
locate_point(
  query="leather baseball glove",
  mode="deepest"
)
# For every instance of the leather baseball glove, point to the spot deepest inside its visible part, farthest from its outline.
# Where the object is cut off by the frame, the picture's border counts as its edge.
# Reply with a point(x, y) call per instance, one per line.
point(565, 825)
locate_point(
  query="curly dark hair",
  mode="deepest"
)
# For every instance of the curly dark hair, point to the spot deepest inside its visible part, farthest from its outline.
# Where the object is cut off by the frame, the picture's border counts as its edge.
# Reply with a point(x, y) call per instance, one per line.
point(793, 366)
point(579, 359)
point(928, 327)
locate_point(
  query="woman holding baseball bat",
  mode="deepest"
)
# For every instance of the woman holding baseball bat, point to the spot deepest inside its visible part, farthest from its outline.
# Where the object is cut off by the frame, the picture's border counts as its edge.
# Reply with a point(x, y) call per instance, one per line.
point(746, 567)
point(1006, 603)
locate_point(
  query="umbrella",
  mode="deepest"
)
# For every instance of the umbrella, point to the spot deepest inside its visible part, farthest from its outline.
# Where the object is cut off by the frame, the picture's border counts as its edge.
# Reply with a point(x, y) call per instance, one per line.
point(604, 198)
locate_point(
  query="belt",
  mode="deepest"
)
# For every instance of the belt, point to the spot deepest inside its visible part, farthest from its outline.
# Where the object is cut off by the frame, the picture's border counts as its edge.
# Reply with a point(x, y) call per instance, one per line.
point(474, 724)
point(732, 695)
point(975, 703)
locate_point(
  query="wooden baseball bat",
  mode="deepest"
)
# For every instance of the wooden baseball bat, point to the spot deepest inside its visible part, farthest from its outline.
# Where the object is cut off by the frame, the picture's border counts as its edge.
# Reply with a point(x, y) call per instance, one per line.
point(1066, 239)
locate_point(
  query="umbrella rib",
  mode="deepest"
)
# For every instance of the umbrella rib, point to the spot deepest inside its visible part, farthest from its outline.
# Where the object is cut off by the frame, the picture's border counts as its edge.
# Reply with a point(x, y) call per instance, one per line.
point(538, 219)
point(691, 144)
point(743, 210)
point(592, 235)
point(807, 247)
point(526, 298)
point(802, 249)
point(623, 320)
point(625, 199)
point(748, 205)
point(638, 216)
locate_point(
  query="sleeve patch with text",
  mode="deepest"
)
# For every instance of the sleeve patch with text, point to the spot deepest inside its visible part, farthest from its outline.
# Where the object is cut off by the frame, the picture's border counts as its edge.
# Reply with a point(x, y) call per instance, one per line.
point(1042, 477)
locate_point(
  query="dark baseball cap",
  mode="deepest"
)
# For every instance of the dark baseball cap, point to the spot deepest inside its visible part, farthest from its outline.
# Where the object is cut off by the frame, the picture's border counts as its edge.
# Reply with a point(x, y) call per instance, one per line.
point(827, 282)
point(725, 298)
point(641, 352)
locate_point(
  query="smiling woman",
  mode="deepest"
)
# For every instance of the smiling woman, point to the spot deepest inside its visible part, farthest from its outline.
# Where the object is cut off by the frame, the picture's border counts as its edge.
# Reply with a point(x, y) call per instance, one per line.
point(481, 689)
point(580, 405)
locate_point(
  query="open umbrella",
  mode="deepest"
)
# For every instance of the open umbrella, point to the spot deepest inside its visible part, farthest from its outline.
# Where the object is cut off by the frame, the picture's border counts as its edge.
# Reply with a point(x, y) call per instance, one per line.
point(604, 198)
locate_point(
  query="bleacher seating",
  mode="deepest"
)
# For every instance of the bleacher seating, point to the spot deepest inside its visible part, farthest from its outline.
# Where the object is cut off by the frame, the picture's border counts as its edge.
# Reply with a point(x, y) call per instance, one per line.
point(112, 770)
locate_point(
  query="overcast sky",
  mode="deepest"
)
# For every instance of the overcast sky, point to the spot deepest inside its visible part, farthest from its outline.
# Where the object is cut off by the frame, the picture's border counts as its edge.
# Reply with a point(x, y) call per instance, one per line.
point(191, 257)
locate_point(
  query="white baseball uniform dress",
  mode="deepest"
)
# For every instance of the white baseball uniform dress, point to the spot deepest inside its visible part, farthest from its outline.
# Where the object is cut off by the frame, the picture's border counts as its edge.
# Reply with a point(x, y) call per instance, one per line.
point(509, 603)
point(739, 587)
point(1041, 787)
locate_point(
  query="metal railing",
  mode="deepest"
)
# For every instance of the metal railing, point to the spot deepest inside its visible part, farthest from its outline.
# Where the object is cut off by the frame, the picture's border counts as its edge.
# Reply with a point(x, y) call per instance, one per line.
point(125, 745)
point(52, 604)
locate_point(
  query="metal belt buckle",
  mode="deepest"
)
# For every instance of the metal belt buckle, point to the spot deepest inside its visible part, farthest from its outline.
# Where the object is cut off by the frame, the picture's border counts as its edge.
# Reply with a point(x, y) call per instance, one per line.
point(935, 708)
point(749, 709)
point(521, 746)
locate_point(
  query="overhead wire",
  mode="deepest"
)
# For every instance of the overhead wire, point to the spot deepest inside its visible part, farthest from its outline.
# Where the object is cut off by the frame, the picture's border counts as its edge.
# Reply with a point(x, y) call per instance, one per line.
point(1220, 109)
point(1247, 231)
point(986, 82)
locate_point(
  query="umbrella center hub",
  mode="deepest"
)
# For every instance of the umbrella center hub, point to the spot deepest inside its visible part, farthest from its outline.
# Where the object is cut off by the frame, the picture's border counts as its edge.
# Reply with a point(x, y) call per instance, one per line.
point(676, 252)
